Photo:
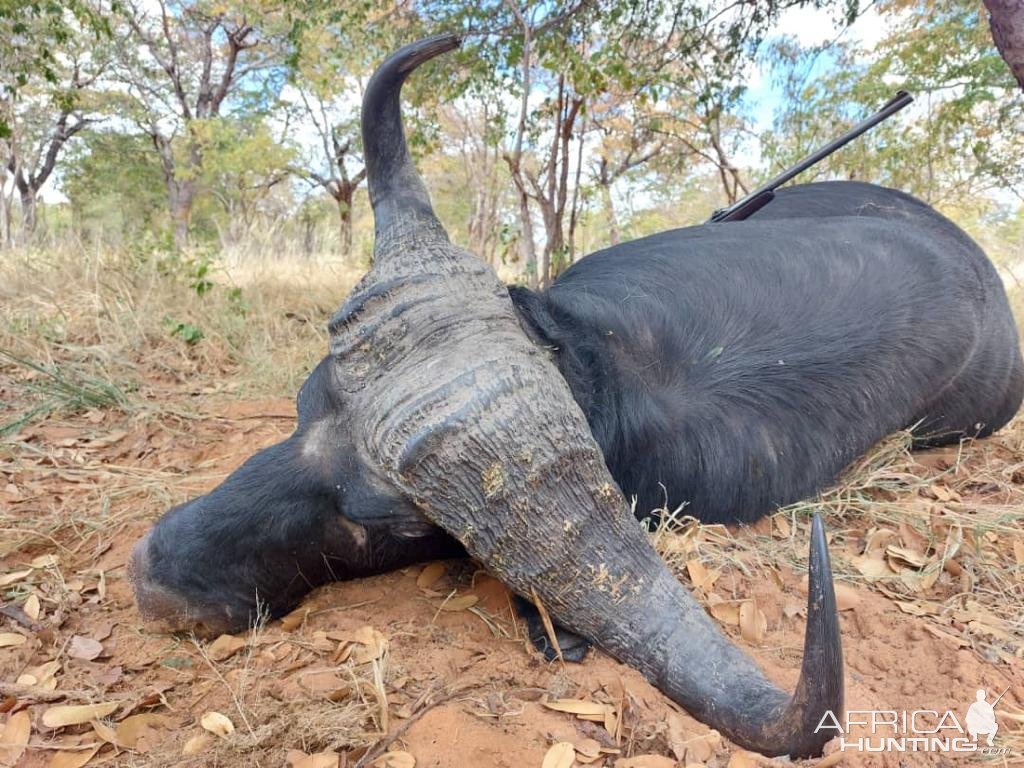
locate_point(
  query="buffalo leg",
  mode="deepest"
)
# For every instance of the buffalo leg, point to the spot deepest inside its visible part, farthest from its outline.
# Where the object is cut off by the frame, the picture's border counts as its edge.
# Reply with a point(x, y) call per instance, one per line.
point(574, 647)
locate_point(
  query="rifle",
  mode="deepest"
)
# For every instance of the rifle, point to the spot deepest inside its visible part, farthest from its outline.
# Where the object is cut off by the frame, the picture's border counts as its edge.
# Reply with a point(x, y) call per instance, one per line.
point(999, 697)
point(764, 194)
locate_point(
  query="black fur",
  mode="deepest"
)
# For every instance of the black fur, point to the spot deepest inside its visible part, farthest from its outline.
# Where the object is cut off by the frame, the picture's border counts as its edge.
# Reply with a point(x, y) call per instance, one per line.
point(739, 367)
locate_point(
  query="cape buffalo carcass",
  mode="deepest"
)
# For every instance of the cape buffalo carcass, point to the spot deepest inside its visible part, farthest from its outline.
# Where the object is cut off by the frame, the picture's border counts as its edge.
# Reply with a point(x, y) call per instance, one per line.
point(734, 367)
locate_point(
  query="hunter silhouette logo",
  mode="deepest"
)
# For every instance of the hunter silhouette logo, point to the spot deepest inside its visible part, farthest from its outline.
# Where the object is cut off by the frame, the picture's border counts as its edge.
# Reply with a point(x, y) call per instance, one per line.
point(981, 717)
point(919, 730)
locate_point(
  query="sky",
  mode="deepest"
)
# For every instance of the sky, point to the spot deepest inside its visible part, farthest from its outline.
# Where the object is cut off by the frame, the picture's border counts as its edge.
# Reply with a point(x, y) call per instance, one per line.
point(811, 27)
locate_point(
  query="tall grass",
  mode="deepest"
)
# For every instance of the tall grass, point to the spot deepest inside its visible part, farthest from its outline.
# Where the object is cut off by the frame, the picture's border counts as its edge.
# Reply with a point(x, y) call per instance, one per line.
point(87, 328)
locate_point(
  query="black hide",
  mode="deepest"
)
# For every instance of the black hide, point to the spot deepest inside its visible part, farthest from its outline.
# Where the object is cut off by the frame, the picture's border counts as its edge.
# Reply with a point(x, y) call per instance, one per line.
point(739, 367)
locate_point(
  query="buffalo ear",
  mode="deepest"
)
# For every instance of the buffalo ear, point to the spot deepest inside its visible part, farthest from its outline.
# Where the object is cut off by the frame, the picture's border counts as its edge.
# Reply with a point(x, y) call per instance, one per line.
point(317, 399)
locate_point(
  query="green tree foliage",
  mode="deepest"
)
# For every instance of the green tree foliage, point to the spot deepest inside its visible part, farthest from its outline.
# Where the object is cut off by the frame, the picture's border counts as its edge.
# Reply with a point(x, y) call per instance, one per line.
point(182, 64)
point(335, 51)
point(244, 162)
point(559, 127)
point(50, 58)
point(33, 33)
point(958, 143)
point(115, 187)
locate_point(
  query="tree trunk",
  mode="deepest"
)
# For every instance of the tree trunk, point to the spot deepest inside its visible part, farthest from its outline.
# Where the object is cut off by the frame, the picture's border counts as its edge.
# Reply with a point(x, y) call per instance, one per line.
point(614, 233)
point(1006, 19)
point(307, 239)
point(345, 222)
point(6, 206)
point(28, 212)
point(527, 246)
point(182, 195)
point(554, 248)
point(481, 223)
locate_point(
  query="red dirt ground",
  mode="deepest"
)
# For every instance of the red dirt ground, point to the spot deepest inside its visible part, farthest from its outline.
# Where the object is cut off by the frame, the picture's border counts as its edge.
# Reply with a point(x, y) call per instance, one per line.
point(452, 688)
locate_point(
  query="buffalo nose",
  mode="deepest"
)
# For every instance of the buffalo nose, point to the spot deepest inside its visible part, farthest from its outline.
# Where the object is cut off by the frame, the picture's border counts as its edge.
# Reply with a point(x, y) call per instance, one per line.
point(162, 609)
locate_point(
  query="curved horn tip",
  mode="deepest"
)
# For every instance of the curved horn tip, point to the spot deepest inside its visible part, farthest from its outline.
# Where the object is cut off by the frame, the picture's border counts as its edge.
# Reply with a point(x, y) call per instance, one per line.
point(821, 675)
point(411, 55)
point(821, 592)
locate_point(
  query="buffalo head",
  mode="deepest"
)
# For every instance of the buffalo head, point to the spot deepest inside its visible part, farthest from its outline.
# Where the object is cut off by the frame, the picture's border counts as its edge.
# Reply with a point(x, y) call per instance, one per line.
point(434, 419)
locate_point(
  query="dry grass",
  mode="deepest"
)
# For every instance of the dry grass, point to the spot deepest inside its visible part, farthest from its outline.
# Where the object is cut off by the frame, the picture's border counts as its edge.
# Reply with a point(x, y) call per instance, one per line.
point(101, 332)
point(104, 328)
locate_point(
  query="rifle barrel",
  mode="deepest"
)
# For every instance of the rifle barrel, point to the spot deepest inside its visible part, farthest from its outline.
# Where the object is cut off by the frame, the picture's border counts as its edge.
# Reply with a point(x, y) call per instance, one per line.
point(763, 194)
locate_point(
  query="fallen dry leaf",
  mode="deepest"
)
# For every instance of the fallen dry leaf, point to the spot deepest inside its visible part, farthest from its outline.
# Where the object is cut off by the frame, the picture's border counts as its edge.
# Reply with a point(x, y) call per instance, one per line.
point(14, 737)
point(877, 540)
point(958, 641)
point(610, 721)
point(61, 716)
point(645, 761)
point(217, 724)
point(906, 555)
point(676, 735)
point(576, 706)
point(913, 538)
point(11, 639)
point(109, 439)
point(753, 622)
point(872, 566)
point(430, 575)
point(395, 760)
point(9, 578)
point(112, 676)
point(298, 759)
point(84, 648)
point(74, 759)
point(46, 674)
point(374, 645)
point(132, 729)
point(104, 731)
point(726, 611)
point(704, 746)
point(697, 572)
point(917, 581)
point(743, 759)
point(588, 747)
point(321, 642)
point(31, 607)
point(943, 493)
point(460, 603)
point(292, 621)
point(325, 683)
point(562, 754)
point(224, 647)
point(847, 597)
point(44, 561)
point(792, 607)
point(196, 744)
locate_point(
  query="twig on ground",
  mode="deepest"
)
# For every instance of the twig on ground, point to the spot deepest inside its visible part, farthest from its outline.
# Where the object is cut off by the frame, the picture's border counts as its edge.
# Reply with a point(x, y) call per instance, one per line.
point(381, 746)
